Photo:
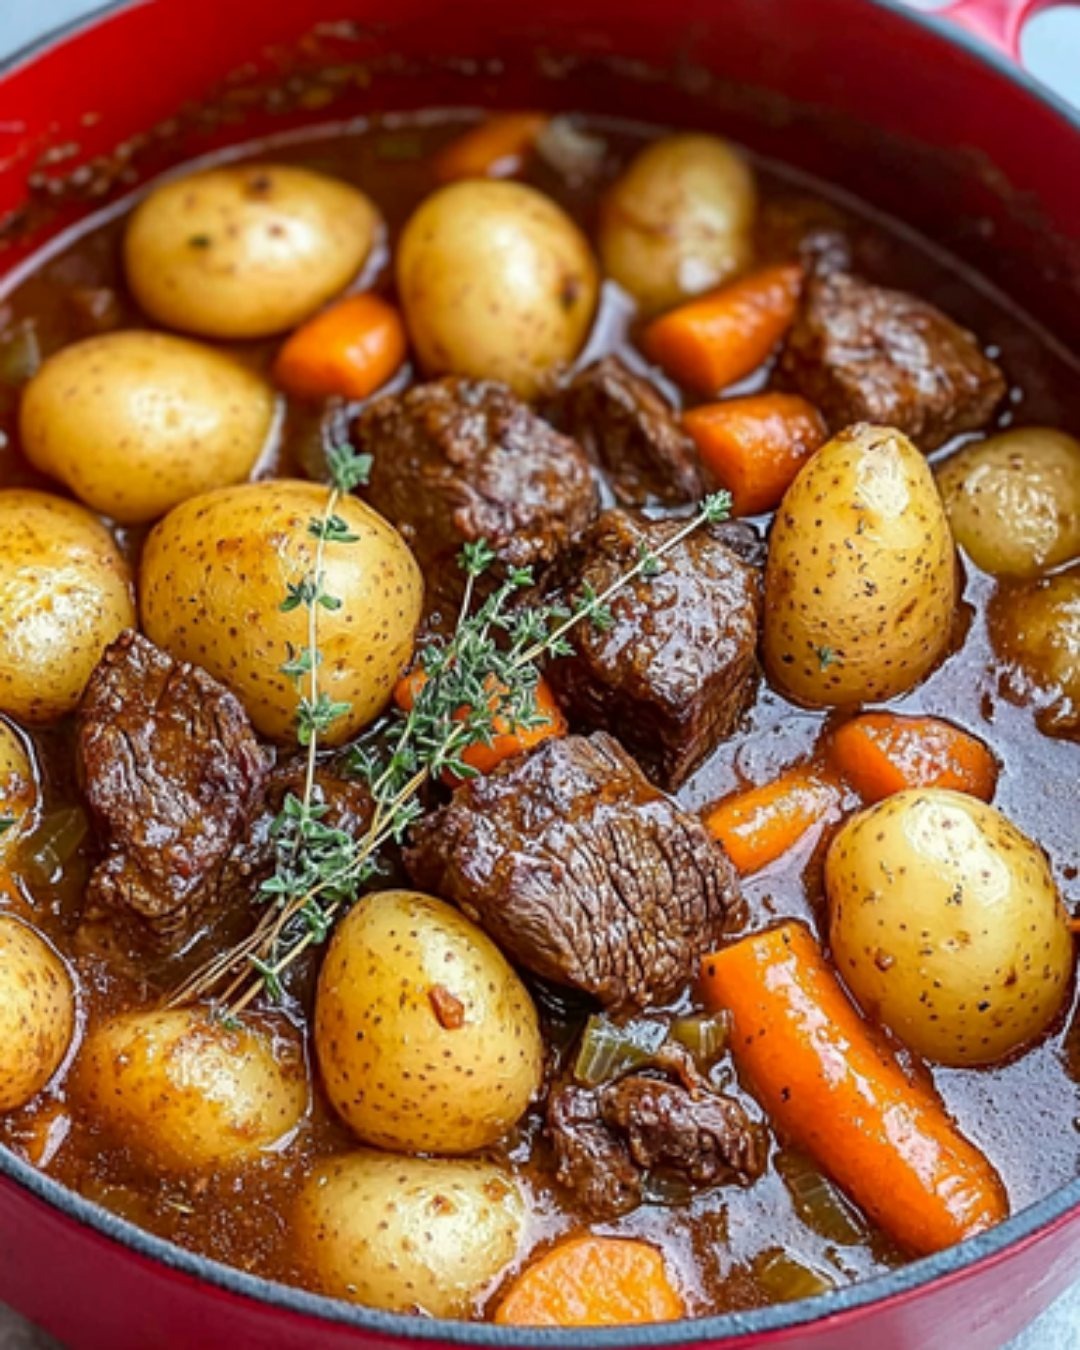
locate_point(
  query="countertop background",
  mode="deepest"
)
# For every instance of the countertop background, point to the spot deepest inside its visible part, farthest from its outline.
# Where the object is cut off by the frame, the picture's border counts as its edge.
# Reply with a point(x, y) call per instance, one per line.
point(1050, 46)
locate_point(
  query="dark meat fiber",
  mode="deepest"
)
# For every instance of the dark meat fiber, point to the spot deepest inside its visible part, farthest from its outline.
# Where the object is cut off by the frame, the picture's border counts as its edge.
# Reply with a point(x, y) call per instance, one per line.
point(172, 772)
point(630, 429)
point(581, 871)
point(673, 674)
point(862, 353)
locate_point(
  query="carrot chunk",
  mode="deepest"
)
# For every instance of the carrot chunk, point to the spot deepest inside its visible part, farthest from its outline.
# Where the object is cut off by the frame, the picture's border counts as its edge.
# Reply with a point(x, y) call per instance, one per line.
point(726, 334)
point(508, 740)
point(496, 148)
point(592, 1282)
point(350, 349)
point(758, 826)
point(840, 1096)
point(883, 753)
point(755, 446)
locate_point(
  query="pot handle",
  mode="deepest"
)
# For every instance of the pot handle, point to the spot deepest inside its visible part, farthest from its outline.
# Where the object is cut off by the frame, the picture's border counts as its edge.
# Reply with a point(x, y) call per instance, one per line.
point(996, 22)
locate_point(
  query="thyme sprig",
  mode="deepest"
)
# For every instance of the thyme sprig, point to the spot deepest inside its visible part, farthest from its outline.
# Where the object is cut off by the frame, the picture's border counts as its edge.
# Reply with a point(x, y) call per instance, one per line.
point(469, 686)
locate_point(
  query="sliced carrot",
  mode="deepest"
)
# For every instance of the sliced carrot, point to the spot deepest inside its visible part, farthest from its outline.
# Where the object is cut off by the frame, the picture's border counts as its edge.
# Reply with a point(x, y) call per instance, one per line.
point(759, 825)
point(726, 334)
point(592, 1282)
point(350, 349)
point(508, 740)
point(497, 148)
point(838, 1095)
point(755, 446)
point(883, 753)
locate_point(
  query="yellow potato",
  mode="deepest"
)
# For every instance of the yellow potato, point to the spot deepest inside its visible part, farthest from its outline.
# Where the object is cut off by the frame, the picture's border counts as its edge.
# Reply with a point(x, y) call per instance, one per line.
point(1014, 500)
point(19, 792)
point(65, 593)
point(1035, 627)
point(135, 423)
point(408, 1234)
point(246, 250)
point(947, 926)
point(860, 585)
point(679, 221)
point(214, 575)
point(497, 282)
point(426, 1038)
point(37, 1012)
point(189, 1092)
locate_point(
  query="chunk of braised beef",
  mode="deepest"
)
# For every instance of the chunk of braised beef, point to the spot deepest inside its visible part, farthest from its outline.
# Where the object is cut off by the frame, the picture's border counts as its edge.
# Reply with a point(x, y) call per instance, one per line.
point(627, 427)
point(806, 230)
point(605, 1140)
point(457, 460)
point(676, 669)
point(581, 870)
point(172, 772)
point(863, 353)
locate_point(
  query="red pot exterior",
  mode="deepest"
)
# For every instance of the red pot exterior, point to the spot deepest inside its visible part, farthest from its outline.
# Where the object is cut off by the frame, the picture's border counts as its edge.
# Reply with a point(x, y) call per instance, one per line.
point(94, 1281)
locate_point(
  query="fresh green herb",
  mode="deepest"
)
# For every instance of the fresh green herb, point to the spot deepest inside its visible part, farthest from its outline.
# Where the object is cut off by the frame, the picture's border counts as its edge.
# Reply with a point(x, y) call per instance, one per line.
point(6, 822)
point(481, 677)
point(826, 657)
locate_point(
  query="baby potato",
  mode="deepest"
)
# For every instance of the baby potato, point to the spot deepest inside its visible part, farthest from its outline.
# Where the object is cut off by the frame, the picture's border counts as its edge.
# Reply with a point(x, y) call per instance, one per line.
point(408, 1234)
point(135, 423)
point(187, 1091)
point(946, 924)
point(246, 250)
point(1036, 628)
point(1014, 500)
point(65, 593)
point(214, 575)
point(679, 221)
point(861, 582)
point(37, 1012)
point(496, 282)
point(426, 1038)
point(19, 794)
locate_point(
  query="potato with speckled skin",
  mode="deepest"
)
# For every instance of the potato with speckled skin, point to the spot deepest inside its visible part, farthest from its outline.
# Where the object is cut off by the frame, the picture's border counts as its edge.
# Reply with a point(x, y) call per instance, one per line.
point(189, 1092)
point(861, 579)
point(19, 794)
point(65, 594)
point(945, 923)
point(1014, 500)
point(408, 1234)
point(426, 1038)
point(679, 221)
point(135, 423)
point(37, 1012)
point(247, 250)
point(1035, 627)
point(215, 572)
point(496, 282)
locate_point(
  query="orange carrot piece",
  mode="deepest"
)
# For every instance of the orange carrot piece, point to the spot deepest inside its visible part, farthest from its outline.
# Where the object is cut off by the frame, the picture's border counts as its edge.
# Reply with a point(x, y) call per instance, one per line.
point(726, 334)
point(508, 740)
point(883, 753)
point(497, 148)
point(592, 1282)
point(758, 826)
point(350, 349)
point(836, 1093)
point(755, 446)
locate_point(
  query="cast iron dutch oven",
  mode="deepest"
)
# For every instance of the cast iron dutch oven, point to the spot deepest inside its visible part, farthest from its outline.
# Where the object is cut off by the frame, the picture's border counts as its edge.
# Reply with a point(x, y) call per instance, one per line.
point(926, 117)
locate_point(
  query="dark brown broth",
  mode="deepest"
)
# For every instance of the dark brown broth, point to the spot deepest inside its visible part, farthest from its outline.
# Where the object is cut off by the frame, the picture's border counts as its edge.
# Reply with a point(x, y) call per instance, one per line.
point(1023, 1114)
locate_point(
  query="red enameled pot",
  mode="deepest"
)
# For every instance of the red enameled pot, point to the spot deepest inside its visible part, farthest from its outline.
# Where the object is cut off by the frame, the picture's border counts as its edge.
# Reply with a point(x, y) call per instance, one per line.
point(915, 114)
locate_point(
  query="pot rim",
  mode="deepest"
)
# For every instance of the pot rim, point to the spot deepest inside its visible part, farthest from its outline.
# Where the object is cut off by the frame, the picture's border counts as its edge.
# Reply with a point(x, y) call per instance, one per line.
point(942, 1268)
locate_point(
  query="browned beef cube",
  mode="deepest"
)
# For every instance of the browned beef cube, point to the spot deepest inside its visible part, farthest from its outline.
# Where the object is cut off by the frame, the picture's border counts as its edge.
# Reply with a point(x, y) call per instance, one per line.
point(806, 230)
point(605, 1139)
point(676, 669)
point(172, 771)
point(632, 431)
point(459, 460)
point(862, 353)
point(581, 871)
